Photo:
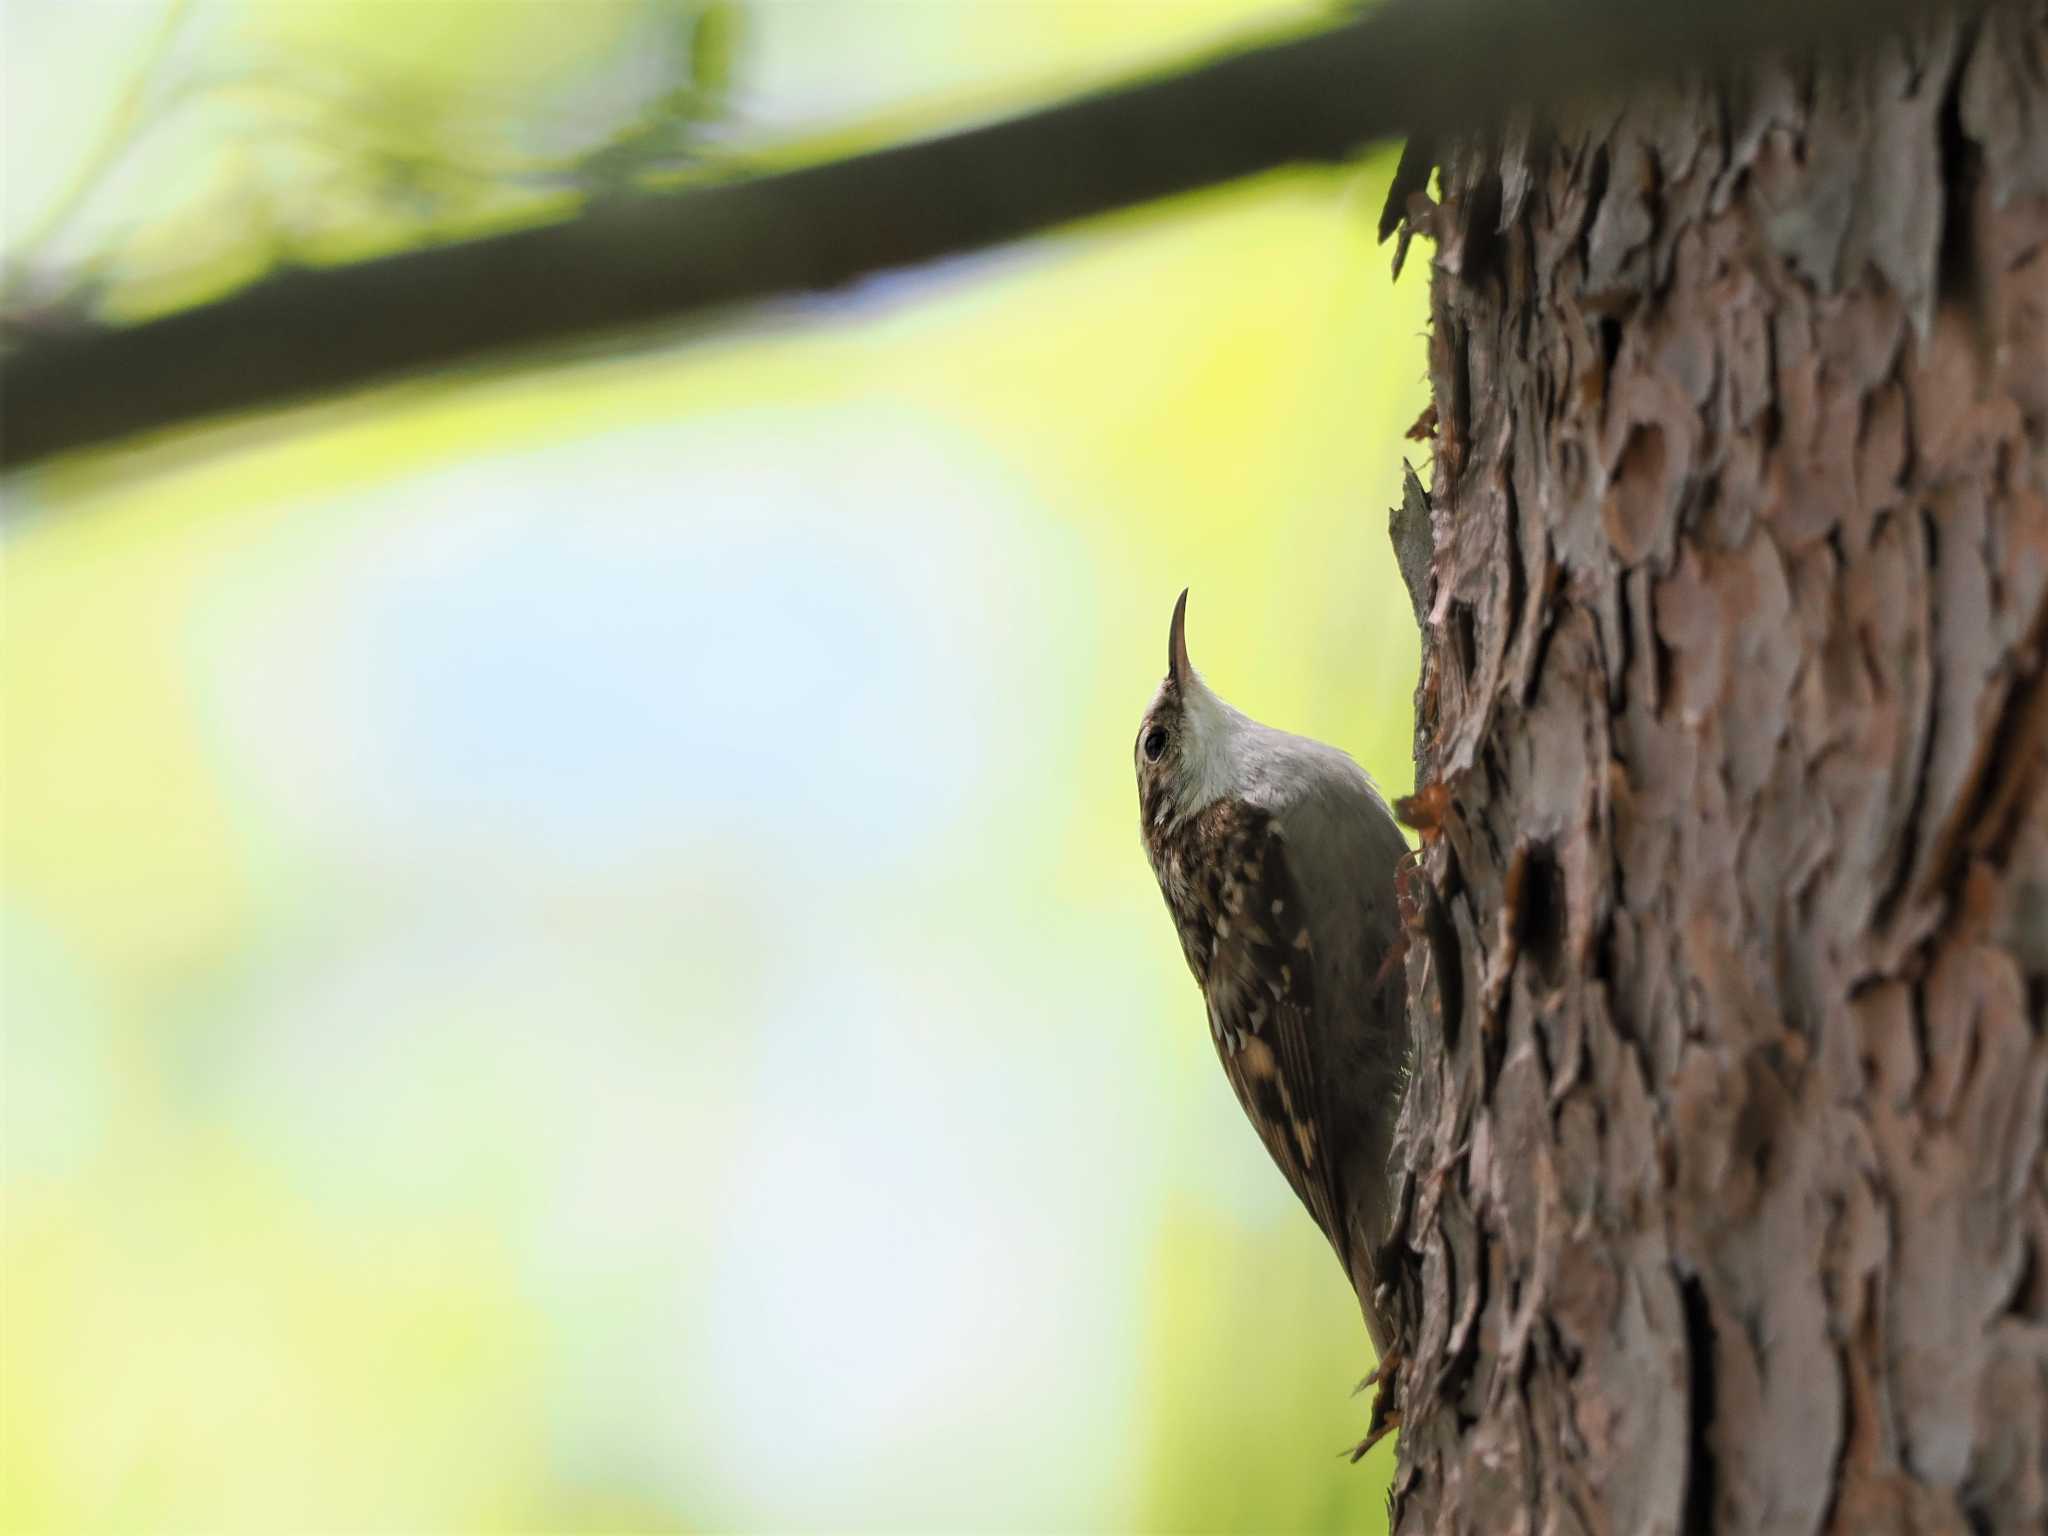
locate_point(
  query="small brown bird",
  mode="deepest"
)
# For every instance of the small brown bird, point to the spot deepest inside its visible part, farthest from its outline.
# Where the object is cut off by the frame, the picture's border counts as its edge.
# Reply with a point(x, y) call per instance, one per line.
point(1277, 857)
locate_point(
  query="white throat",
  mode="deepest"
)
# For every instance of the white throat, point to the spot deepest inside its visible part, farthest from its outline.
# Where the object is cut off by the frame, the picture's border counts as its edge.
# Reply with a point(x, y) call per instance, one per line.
point(1211, 734)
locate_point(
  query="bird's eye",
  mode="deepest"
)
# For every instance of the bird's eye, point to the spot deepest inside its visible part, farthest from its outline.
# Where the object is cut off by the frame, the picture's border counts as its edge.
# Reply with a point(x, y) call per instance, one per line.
point(1155, 743)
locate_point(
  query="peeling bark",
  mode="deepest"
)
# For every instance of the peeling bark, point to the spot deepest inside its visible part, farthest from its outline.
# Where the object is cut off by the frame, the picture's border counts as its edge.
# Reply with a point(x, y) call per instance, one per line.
point(1726, 1192)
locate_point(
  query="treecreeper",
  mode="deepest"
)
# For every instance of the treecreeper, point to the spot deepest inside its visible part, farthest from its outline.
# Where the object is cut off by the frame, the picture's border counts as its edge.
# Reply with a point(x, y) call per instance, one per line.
point(1278, 859)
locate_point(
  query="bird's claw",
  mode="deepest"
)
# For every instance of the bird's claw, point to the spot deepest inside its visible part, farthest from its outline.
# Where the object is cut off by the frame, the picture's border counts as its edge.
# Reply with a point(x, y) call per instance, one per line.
point(1383, 1425)
point(1382, 1370)
point(1386, 1414)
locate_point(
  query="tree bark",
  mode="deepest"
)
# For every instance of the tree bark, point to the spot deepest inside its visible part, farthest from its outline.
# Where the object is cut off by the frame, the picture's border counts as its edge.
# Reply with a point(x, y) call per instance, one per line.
point(1725, 1203)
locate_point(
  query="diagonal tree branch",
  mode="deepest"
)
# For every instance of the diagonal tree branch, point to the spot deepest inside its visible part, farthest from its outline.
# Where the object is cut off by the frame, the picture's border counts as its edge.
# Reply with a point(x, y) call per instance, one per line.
point(1423, 67)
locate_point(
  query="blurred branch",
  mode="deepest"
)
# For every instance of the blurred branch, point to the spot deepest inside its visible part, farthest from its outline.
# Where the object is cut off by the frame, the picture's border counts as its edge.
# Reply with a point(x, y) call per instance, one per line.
point(1424, 67)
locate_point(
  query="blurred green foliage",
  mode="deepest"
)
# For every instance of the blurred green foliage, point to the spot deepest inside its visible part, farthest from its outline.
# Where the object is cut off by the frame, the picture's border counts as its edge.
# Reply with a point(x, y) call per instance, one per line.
point(575, 947)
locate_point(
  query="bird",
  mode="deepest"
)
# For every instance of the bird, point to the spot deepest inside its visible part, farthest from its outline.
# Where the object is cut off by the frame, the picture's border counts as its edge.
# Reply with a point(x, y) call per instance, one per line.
point(1278, 856)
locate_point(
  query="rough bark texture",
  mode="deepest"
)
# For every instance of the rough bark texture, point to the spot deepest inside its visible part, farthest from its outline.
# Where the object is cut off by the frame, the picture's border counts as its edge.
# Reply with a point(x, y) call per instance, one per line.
point(1727, 1197)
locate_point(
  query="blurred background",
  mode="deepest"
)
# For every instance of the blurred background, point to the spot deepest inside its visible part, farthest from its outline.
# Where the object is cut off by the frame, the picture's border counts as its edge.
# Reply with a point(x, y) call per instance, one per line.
point(576, 950)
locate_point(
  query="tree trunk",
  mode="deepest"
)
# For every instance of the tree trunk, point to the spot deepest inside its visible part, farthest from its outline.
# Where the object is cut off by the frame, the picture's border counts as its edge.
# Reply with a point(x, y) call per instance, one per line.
point(1726, 1192)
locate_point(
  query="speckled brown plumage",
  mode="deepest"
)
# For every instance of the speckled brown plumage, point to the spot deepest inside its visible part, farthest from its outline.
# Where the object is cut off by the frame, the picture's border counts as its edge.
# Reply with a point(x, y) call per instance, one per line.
point(1225, 878)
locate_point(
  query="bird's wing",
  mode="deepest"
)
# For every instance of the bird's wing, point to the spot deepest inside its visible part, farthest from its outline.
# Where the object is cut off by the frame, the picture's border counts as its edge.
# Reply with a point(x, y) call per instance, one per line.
point(1260, 989)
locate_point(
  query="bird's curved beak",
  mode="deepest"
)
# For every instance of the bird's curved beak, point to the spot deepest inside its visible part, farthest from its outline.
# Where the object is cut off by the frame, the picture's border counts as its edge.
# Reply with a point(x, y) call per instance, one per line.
point(1178, 668)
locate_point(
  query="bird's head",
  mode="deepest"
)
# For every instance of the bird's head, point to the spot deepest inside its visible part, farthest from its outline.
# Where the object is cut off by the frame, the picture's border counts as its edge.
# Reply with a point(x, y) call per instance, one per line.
point(1186, 751)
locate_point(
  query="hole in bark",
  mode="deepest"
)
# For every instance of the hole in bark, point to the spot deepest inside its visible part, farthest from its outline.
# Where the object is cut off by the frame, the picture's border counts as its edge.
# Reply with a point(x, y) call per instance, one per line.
point(1610, 342)
point(1700, 1472)
point(1482, 231)
point(1452, 433)
point(1540, 910)
point(1444, 957)
point(1665, 660)
point(1466, 636)
point(1961, 165)
point(1606, 963)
